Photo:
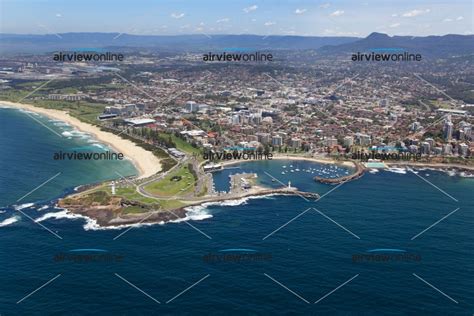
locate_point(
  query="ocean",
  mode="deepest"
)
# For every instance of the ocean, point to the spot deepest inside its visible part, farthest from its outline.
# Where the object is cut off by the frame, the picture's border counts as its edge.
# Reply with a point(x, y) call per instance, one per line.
point(357, 251)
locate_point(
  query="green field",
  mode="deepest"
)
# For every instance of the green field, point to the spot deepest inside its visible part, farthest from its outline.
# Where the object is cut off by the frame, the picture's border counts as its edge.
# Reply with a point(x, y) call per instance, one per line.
point(82, 110)
point(131, 194)
point(103, 193)
point(183, 145)
point(167, 187)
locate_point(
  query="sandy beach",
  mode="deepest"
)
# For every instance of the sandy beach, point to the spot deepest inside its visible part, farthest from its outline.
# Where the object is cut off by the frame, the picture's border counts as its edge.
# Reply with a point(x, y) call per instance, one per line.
point(145, 162)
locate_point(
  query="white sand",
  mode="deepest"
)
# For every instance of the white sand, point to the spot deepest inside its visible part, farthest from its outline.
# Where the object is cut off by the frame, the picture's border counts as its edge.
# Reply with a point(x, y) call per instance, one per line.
point(146, 163)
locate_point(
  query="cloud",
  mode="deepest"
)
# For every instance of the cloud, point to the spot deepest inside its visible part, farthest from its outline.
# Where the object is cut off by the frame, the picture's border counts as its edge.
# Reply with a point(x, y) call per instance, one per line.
point(250, 9)
point(394, 25)
point(337, 13)
point(269, 23)
point(459, 18)
point(394, 15)
point(59, 15)
point(177, 15)
point(325, 5)
point(340, 33)
point(448, 20)
point(416, 12)
point(300, 11)
point(223, 20)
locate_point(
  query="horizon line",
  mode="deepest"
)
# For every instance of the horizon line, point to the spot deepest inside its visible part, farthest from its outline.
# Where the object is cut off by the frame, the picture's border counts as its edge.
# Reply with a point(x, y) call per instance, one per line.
point(230, 34)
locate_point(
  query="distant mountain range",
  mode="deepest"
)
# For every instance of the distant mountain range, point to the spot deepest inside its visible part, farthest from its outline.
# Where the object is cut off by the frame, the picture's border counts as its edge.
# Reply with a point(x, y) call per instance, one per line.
point(14, 43)
point(434, 46)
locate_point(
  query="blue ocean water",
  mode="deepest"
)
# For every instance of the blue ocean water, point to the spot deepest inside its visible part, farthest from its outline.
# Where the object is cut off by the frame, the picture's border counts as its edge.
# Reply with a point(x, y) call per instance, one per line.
point(284, 273)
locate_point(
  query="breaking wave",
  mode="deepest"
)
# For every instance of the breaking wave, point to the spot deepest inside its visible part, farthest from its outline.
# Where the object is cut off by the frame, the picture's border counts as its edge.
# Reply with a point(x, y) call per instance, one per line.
point(9, 221)
point(397, 170)
point(22, 206)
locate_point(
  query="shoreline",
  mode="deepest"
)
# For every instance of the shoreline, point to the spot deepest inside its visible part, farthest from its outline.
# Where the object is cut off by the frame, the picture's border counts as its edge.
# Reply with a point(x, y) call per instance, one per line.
point(353, 164)
point(144, 161)
point(430, 165)
point(110, 218)
point(345, 163)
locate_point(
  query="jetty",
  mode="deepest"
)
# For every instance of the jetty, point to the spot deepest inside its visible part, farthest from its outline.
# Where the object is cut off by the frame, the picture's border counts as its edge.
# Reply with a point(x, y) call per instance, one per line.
point(360, 169)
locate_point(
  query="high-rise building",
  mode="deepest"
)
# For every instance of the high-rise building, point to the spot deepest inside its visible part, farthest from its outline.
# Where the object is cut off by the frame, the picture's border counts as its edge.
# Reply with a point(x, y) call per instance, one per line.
point(448, 129)
point(463, 150)
point(331, 142)
point(415, 126)
point(447, 149)
point(431, 142)
point(348, 141)
point(363, 139)
point(277, 140)
point(425, 148)
point(295, 143)
point(191, 107)
point(263, 138)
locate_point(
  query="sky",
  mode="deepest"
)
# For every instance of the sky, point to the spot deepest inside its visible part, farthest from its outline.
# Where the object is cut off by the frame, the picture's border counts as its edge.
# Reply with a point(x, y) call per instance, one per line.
point(263, 17)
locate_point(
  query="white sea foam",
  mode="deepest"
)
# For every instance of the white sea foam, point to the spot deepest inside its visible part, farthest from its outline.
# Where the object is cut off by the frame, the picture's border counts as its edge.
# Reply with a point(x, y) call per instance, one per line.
point(29, 112)
point(201, 212)
point(194, 213)
point(373, 171)
point(58, 215)
point(99, 146)
point(22, 206)
point(75, 133)
point(42, 208)
point(9, 221)
point(60, 123)
point(397, 170)
point(90, 224)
